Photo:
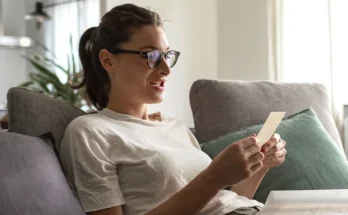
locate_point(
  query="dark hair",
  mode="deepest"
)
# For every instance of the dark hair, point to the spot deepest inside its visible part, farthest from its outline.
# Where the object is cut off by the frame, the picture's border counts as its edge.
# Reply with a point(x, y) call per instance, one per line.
point(115, 28)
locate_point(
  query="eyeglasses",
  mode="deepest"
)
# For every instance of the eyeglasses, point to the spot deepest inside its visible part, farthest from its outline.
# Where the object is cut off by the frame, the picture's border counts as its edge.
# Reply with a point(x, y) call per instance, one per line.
point(153, 58)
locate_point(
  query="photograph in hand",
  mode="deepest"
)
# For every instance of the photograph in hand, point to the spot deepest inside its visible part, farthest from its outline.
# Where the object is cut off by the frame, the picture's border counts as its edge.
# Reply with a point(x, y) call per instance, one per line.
point(270, 126)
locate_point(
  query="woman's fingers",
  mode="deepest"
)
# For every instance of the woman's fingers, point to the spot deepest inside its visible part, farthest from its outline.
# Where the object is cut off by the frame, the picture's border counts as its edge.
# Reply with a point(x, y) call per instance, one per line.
point(271, 143)
point(281, 153)
point(276, 155)
point(278, 147)
point(256, 158)
point(252, 150)
point(256, 167)
point(248, 142)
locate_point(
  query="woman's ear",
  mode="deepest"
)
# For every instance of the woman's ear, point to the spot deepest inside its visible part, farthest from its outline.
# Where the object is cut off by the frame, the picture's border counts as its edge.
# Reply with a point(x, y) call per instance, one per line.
point(107, 60)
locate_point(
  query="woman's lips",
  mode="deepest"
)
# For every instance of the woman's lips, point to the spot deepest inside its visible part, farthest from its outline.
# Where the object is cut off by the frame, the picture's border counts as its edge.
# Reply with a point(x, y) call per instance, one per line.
point(158, 85)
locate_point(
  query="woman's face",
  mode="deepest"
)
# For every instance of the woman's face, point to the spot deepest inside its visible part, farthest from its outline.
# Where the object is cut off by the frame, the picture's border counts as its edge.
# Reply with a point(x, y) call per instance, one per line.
point(130, 76)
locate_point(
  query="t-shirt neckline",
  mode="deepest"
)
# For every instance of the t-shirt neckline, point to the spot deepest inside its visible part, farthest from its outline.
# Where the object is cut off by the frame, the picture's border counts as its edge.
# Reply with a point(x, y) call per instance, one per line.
point(126, 117)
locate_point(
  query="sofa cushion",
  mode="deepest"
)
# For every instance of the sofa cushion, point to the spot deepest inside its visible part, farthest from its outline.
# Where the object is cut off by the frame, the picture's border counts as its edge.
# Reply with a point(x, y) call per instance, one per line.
point(313, 160)
point(32, 113)
point(221, 107)
point(32, 181)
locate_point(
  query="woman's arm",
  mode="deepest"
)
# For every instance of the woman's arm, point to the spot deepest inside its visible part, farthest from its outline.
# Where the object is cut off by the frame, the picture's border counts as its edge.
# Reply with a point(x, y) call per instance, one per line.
point(192, 198)
point(274, 151)
point(109, 211)
point(182, 202)
point(238, 161)
point(249, 186)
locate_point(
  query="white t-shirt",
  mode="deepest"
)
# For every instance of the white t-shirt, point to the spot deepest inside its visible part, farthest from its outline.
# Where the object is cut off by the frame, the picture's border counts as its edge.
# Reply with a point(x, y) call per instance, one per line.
point(115, 159)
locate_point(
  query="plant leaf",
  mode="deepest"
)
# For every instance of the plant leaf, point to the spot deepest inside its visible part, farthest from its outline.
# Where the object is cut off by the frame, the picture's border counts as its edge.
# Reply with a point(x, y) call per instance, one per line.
point(69, 66)
point(47, 81)
point(42, 84)
point(72, 55)
point(26, 84)
point(42, 69)
point(56, 65)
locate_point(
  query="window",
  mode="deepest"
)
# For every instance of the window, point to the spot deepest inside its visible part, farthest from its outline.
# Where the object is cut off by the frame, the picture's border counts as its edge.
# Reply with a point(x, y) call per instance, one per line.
point(70, 19)
point(314, 47)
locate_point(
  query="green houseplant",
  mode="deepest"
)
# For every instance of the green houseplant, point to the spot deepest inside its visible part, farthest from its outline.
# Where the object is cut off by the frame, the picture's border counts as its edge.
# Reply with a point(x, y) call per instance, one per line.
point(46, 80)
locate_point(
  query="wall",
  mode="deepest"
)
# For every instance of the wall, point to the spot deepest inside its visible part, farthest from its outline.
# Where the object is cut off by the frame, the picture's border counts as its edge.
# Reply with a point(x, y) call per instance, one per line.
point(193, 31)
point(243, 40)
point(13, 67)
point(37, 34)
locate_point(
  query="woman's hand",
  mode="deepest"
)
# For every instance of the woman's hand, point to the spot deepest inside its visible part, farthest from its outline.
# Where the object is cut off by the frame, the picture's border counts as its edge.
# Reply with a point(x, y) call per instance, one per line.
point(274, 151)
point(237, 162)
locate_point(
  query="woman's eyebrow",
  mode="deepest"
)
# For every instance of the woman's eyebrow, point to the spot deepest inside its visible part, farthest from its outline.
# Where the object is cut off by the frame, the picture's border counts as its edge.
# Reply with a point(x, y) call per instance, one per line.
point(153, 47)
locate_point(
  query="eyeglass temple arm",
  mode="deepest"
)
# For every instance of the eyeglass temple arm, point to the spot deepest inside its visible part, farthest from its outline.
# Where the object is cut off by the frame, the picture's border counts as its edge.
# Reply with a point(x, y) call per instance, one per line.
point(116, 51)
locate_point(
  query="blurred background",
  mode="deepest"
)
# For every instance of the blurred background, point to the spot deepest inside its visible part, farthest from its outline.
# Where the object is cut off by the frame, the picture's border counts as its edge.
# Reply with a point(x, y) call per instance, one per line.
point(250, 40)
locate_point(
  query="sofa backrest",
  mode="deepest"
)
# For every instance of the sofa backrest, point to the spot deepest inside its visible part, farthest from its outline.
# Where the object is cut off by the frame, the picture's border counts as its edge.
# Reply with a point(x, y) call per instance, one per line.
point(32, 113)
point(218, 107)
point(221, 107)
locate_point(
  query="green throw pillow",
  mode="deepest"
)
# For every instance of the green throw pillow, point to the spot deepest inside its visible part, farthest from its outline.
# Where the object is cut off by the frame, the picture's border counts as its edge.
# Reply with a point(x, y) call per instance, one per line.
point(313, 160)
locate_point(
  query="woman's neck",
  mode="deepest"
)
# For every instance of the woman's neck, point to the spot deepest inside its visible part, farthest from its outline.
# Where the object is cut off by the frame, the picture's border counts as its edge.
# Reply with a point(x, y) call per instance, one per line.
point(132, 109)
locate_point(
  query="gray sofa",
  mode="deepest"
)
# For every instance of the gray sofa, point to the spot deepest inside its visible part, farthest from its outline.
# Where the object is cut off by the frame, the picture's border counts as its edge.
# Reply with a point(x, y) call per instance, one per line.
point(33, 181)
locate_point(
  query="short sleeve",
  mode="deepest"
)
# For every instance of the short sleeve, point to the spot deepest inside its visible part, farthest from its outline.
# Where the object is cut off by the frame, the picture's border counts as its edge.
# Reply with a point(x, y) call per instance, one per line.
point(89, 170)
point(193, 139)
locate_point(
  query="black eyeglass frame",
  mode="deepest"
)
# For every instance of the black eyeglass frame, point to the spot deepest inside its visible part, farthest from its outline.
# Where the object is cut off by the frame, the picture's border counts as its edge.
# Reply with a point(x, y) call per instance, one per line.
point(146, 56)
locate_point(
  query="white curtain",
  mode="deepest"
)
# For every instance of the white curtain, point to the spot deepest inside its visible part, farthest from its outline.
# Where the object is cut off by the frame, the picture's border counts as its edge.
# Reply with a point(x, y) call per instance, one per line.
point(305, 41)
point(313, 37)
point(70, 19)
point(339, 59)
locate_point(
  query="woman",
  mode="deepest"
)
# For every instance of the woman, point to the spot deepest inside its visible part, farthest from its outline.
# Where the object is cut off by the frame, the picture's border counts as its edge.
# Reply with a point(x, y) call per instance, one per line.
point(123, 161)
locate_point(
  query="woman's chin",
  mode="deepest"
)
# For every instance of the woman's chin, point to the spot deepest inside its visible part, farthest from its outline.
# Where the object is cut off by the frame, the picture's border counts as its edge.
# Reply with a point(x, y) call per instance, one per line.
point(155, 99)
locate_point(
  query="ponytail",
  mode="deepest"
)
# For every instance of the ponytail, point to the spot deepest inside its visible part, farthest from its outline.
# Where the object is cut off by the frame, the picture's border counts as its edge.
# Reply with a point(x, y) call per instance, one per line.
point(95, 78)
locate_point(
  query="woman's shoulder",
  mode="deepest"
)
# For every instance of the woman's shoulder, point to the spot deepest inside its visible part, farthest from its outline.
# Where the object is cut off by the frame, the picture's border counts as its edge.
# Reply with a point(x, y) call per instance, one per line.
point(88, 121)
point(173, 120)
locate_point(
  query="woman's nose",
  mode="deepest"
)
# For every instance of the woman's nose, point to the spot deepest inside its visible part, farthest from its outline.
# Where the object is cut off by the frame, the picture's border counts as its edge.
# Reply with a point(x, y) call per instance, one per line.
point(163, 68)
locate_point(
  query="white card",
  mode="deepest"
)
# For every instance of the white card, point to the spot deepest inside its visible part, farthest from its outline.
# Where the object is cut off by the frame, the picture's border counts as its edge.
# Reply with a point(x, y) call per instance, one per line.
point(270, 126)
